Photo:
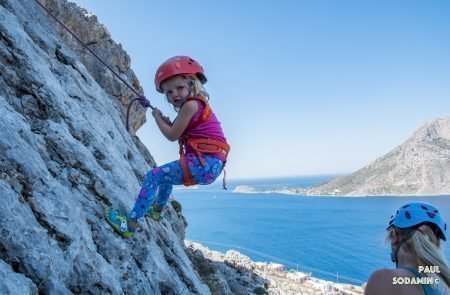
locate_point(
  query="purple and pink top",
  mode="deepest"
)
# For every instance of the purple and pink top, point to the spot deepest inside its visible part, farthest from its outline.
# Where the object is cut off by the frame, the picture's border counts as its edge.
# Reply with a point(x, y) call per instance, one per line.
point(208, 129)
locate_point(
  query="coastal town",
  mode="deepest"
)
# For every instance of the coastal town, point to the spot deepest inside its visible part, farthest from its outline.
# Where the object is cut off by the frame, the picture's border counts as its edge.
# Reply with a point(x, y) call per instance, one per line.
point(241, 275)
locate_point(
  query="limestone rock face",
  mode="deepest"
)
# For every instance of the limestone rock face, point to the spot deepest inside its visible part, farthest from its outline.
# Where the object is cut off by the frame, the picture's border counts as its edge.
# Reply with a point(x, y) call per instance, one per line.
point(96, 36)
point(239, 261)
point(64, 156)
point(420, 166)
point(230, 273)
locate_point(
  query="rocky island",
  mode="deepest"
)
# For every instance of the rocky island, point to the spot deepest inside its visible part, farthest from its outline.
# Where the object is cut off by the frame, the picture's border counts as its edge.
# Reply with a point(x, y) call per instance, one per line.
point(418, 167)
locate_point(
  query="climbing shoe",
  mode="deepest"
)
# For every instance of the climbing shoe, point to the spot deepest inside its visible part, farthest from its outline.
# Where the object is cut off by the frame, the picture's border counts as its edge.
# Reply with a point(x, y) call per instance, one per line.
point(118, 222)
point(153, 214)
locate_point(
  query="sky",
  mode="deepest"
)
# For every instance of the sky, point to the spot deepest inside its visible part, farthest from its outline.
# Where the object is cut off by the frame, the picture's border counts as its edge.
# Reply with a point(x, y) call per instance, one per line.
point(300, 87)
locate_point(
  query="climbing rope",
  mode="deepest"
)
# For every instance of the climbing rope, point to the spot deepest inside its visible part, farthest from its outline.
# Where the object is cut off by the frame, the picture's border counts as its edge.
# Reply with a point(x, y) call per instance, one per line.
point(142, 99)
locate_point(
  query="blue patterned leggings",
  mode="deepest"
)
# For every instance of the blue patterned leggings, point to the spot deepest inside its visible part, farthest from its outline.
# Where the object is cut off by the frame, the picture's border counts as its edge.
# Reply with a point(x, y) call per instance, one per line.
point(159, 181)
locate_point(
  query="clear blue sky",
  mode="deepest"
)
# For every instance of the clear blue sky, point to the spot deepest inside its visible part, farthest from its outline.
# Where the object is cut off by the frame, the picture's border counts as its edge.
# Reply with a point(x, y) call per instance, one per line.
point(301, 87)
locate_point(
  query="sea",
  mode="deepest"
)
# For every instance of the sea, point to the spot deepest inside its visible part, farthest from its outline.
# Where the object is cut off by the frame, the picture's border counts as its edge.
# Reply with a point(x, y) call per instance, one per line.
point(333, 238)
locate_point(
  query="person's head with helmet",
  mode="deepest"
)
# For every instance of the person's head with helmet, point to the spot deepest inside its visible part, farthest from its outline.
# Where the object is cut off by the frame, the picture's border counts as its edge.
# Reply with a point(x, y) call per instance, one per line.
point(415, 231)
point(180, 77)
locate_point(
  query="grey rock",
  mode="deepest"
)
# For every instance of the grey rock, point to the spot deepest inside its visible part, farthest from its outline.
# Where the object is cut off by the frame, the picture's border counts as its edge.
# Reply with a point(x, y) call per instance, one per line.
point(65, 155)
point(230, 273)
point(96, 36)
point(14, 283)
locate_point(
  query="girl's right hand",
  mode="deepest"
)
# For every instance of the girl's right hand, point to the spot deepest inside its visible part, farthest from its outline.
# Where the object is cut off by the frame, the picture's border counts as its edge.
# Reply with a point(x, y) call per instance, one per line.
point(166, 120)
point(156, 113)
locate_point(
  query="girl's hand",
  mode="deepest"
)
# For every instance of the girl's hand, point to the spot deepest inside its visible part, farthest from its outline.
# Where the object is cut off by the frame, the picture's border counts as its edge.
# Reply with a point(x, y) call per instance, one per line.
point(156, 113)
point(174, 130)
point(166, 120)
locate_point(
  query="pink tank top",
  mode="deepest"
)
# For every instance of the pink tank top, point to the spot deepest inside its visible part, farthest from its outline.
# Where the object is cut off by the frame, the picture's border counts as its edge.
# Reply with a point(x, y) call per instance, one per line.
point(208, 129)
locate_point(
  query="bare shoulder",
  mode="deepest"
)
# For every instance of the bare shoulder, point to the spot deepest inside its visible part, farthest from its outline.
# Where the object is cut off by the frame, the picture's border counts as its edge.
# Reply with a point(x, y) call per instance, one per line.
point(186, 113)
point(383, 281)
point(382, 276)
point(190, 106)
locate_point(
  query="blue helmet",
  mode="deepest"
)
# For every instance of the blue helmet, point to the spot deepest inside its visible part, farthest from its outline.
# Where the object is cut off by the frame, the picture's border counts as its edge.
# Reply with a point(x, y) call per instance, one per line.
point(416, 213)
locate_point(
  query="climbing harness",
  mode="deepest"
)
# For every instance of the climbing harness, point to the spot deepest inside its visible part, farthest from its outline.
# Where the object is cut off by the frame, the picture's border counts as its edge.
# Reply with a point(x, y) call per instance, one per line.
point(201, 146)
point(142, 99)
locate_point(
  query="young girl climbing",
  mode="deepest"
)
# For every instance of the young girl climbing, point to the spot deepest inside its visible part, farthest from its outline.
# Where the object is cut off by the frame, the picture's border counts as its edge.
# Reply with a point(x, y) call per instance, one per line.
point(203, 147)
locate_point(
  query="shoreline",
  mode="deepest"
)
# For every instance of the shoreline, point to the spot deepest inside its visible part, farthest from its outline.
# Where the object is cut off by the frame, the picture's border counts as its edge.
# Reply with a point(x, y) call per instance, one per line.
point(239, 271)
point(303, 192)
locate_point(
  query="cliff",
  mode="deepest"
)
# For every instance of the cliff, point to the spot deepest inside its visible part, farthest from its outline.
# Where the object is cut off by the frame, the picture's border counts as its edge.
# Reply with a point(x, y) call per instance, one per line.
point(420, 166)
point(65, 155)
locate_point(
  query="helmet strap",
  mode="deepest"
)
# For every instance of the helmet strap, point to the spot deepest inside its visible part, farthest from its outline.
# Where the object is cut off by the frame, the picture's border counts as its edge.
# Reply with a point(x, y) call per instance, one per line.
point(394, 252)
point(396, 248)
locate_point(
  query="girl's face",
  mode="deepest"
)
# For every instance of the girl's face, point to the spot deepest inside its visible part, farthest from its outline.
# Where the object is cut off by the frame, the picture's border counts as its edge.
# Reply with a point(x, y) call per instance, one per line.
point(176, 89)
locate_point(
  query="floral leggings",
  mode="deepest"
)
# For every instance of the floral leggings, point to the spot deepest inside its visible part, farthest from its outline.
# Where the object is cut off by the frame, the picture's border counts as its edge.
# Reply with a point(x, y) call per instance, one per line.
point(159, 181)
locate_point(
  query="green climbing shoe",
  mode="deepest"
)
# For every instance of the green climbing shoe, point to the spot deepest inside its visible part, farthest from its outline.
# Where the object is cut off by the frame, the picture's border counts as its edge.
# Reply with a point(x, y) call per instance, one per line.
point(153, 214)
point(118, 222)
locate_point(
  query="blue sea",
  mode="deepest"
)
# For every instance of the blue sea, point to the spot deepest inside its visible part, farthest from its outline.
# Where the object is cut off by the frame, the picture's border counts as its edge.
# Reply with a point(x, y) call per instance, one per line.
point(331, 237)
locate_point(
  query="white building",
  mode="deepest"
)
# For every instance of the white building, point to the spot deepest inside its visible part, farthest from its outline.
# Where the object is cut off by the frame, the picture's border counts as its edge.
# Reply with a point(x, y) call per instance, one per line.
point(276, 267)
point(300, 277)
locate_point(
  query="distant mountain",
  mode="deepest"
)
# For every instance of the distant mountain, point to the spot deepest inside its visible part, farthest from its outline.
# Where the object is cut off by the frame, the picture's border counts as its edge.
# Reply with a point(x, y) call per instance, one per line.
point(420, 166)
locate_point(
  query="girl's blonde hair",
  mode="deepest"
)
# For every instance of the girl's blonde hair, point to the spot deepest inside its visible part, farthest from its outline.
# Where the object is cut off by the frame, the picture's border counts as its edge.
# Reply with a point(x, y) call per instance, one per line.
point(196, 88)
point(424, 245)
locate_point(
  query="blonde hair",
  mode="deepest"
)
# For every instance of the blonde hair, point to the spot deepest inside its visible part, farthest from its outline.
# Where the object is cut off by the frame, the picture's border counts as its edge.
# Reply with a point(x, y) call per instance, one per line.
point(424, 245)
point(196, 88)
